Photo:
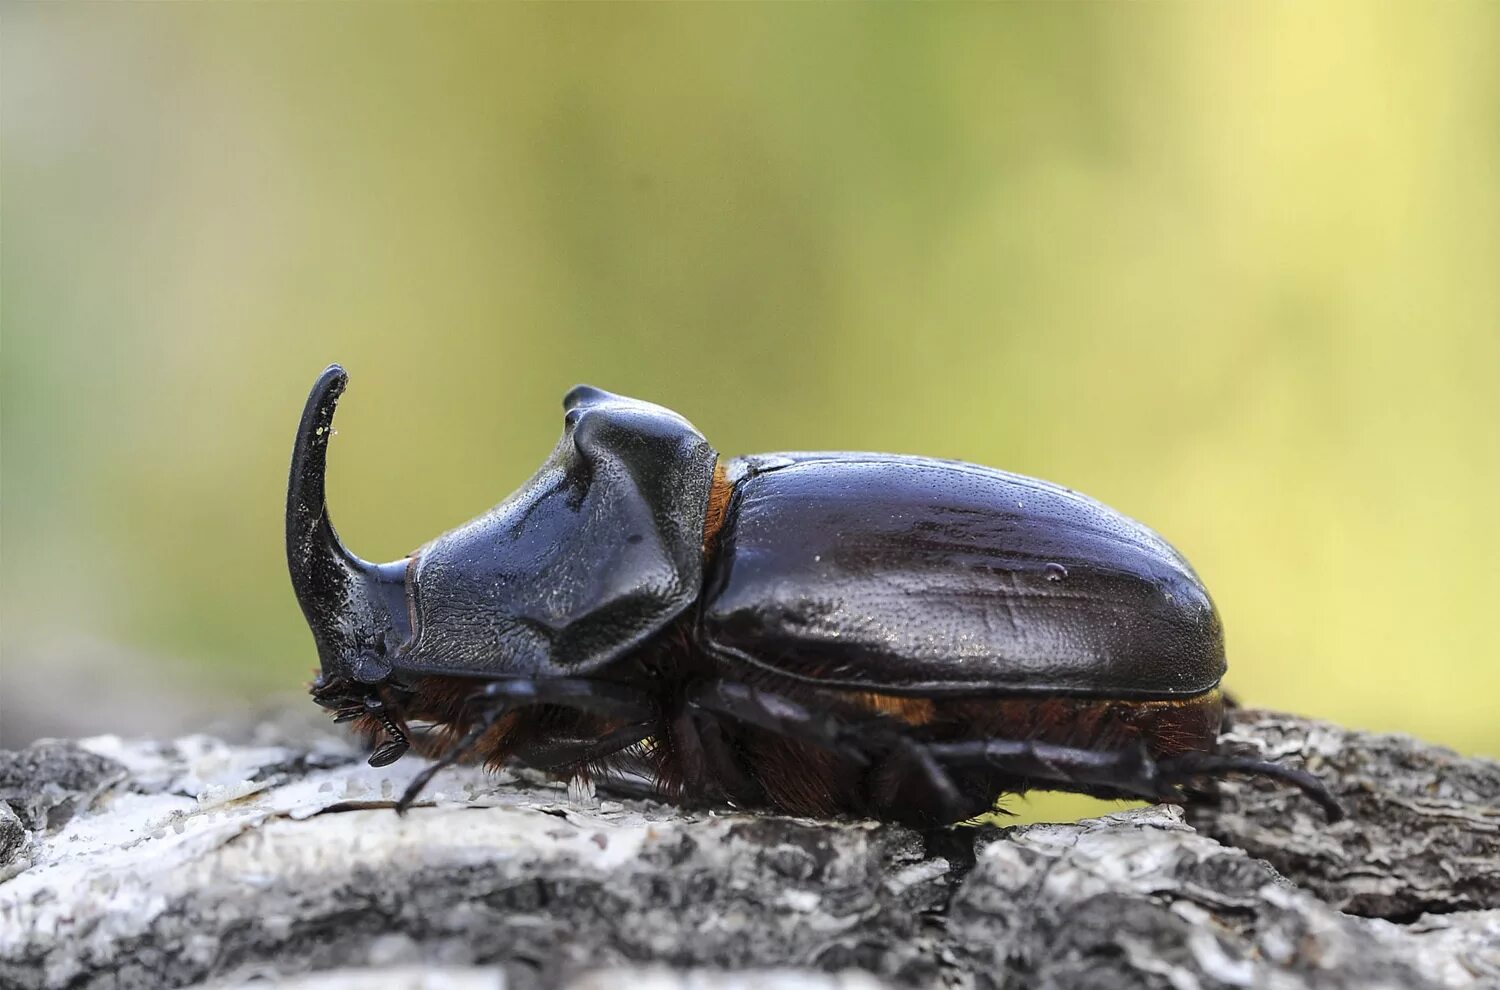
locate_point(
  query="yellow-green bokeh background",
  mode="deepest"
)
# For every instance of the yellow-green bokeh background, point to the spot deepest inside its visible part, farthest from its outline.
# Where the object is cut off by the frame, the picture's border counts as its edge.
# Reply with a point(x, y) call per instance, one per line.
point(1233, 269)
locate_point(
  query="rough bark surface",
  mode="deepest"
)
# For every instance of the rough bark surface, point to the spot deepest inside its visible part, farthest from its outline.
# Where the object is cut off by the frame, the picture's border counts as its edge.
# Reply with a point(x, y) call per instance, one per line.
point(201, 862)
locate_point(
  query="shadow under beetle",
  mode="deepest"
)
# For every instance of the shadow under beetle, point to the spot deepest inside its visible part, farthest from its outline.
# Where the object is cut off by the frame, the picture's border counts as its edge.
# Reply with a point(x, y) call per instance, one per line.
point(819, 633)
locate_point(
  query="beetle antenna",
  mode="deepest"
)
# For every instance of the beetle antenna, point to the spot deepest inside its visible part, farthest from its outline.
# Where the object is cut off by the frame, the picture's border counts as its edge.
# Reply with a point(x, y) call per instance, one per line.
point(396, 743)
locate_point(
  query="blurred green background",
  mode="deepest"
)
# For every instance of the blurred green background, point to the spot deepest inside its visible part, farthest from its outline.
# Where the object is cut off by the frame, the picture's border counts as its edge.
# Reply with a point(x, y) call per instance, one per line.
point(1232, 269)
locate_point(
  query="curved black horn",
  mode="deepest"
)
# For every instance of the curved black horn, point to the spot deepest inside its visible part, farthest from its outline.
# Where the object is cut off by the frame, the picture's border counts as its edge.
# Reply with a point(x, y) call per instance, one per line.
point(320, 566)
point(348, 602)
point(306, 502)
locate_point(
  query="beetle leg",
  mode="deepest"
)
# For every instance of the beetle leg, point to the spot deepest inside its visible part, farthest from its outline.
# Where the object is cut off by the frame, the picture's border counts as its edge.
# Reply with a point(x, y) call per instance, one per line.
point(458, 752)
point(1189, 765)
point(780, 715)
point(629, 780)
point(595, 697)
point(560, 754)
point(499, 697)
point(742, 788)
point(910, 762)
point(940, 793)
point(706, 760)
point(1128, 772)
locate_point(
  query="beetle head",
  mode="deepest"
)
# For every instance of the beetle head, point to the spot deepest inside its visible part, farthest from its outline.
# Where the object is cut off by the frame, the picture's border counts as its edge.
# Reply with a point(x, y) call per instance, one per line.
point(357, 610)
point(599, 551)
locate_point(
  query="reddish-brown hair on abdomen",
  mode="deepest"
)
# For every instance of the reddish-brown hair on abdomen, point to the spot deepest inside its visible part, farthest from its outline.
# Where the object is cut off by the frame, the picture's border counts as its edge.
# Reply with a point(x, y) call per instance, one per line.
point(1168, 727)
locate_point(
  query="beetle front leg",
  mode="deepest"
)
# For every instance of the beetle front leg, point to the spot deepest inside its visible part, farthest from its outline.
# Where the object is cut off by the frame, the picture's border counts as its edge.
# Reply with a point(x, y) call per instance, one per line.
point(497, 698)
point(578, 693)
point(560, 753)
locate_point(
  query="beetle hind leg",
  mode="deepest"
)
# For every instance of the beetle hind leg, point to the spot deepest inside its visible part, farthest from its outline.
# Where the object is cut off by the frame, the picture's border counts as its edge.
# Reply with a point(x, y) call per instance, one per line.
point(1190, 765)
point(927, 783)
point(915, 787)
point(1130, 772)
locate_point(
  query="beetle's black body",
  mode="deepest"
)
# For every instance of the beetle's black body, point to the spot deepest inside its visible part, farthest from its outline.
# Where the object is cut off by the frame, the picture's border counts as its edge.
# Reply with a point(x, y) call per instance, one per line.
point(924, 577)
point(821, 633)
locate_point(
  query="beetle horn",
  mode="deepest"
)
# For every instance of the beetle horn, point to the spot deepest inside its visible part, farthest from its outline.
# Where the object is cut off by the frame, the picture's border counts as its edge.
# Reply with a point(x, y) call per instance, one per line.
point(353, 606)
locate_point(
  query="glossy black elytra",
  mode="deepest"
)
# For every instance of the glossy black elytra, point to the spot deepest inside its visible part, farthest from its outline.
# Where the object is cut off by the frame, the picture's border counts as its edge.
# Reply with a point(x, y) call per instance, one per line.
point(820, 633)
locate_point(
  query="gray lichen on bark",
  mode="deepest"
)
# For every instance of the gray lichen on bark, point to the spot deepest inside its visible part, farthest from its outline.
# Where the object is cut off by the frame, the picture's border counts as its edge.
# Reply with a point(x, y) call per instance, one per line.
point(159, 864)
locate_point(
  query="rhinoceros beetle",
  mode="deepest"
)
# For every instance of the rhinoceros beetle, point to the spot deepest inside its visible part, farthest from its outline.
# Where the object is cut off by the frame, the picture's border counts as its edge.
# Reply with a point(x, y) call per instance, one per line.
point(819, 633)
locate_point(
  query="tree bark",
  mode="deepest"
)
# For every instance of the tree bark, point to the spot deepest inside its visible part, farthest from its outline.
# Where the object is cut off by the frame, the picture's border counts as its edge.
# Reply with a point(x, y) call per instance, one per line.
point(204, 862)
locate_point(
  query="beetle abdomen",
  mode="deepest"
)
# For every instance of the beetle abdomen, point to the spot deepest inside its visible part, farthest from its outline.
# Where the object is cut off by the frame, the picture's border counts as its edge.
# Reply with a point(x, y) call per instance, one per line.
point(918, 576)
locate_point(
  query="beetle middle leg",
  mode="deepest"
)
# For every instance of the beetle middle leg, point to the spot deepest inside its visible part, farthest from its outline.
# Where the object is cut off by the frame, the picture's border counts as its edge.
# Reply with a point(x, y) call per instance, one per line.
point(779, 715)
point(697, 761)
point(557, 754)
point(902, 779)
